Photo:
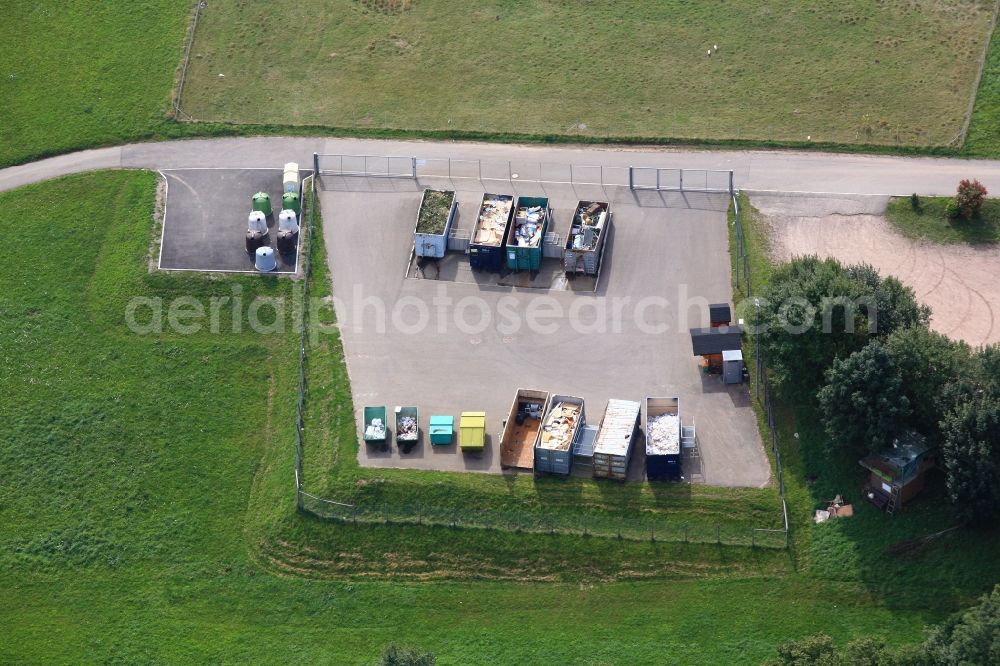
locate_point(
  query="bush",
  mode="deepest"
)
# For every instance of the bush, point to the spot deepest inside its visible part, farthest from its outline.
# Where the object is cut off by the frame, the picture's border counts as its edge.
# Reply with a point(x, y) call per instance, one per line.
point(914, 201)
point(972, 458)
point(398, 656)
point(969, 198)
point(863, 405)
point(952, 210)
point(815, 310)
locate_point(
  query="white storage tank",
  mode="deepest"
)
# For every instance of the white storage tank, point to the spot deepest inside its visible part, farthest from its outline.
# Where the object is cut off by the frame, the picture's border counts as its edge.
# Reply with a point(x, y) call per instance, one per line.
point(290, 179)
point(287, 221)
point(265, 260)
point(257, 222)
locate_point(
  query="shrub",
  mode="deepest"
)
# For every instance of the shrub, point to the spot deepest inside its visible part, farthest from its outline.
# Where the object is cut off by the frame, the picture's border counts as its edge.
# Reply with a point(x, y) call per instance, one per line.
point(914, 201)
point(969, 197)
point(399, 656)
point(863, 404)
point(952, 211)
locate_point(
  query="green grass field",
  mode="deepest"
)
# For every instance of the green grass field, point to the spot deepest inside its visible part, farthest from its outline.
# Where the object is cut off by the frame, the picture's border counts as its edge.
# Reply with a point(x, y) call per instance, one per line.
point(149, 515)
point(78, 74)
point(929, 222)
point(844, 72)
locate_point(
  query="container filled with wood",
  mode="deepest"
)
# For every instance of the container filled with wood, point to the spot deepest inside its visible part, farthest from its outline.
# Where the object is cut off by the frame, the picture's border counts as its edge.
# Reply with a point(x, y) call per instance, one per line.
point(560, 425)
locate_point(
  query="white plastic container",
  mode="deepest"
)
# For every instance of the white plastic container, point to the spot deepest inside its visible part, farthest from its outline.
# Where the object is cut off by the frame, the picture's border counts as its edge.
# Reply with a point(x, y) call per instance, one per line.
point(290, 178)
point(287, 221)
point(257, 222)
point(265, 261)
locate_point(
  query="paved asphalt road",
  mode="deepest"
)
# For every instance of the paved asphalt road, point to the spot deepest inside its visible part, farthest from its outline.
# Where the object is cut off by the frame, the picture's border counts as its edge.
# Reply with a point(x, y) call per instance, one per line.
point(754, 170)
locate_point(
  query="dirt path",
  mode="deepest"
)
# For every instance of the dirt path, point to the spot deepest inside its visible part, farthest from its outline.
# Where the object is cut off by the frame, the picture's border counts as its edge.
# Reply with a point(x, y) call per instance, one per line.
point(958, 282)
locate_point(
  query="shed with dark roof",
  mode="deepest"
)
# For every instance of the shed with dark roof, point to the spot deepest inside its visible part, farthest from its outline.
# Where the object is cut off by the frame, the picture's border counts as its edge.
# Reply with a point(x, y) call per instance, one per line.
point(719, 314)
point(715, 340)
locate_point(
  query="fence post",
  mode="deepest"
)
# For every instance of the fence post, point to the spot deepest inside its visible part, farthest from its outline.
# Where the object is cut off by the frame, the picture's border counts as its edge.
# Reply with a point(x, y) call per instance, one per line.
point(682, 179)
point(315, 167)
point(730, 183)
point(631, 179)
point(657, 179)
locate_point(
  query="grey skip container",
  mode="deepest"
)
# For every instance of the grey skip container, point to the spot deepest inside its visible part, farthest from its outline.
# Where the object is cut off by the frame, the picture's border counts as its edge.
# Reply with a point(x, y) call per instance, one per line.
point(616, 438)
point(554, 454)
point(587, 234)
point(431, 245)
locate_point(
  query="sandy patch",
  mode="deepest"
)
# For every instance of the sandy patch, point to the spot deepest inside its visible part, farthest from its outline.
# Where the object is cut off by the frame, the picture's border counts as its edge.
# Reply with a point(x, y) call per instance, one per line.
point(958, 282)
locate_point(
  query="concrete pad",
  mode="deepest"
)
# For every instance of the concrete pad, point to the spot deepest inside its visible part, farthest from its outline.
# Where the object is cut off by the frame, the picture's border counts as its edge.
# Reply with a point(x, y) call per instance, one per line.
point(450, 346)
point(205, 222)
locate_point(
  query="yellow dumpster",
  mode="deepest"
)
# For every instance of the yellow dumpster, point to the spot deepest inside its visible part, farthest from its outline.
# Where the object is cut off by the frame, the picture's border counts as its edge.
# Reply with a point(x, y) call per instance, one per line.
point(472, 431)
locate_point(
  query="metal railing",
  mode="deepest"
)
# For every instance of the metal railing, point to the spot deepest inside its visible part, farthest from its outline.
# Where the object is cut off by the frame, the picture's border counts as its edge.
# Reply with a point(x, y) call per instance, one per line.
point(514, 171)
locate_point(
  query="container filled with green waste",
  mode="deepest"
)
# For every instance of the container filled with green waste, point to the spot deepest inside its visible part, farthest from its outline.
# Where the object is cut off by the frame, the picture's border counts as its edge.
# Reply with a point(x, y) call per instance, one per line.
point(434, 220)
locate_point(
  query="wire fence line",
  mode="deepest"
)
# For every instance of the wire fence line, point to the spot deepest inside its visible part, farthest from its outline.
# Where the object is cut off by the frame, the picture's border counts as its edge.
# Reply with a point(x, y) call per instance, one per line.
point(632, 525)
point(185, 60)
point(741, 259)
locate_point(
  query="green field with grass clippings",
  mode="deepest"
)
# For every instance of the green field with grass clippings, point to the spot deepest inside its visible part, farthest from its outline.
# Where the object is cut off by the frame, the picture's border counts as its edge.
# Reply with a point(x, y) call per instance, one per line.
point(837, 73)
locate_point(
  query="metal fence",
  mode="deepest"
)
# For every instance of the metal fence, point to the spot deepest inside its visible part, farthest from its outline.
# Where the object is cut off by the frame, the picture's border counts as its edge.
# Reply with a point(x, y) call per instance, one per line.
point(185, 61)
point(634, 525)
point(525, 171)
point(627, 526)
point(680, 180)
point(741, 259)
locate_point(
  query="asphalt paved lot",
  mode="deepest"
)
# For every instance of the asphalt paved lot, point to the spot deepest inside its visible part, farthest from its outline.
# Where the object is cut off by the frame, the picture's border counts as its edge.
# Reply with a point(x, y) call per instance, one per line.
point(204, 228)
point(448, 346)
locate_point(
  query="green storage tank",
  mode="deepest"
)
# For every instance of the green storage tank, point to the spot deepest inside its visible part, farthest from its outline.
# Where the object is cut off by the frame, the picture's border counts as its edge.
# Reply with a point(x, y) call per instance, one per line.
point(291, 200)
point(526, 235)
point(262, 203)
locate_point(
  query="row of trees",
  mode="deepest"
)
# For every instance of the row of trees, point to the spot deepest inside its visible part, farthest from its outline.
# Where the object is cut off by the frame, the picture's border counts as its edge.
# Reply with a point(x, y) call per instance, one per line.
point(971, 637)
point(858, 346)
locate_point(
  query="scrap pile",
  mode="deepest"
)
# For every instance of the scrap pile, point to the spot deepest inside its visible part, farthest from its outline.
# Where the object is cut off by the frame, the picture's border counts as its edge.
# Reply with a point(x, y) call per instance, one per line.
point(375, 430)
point(587, 226)
point(493, 221)
point(663, 432)
point(528, 226)
point(557, 433)
point(407, 428)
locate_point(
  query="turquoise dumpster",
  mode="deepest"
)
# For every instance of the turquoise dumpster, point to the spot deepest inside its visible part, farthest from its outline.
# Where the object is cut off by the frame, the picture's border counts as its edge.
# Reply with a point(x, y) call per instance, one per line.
point(442, 430)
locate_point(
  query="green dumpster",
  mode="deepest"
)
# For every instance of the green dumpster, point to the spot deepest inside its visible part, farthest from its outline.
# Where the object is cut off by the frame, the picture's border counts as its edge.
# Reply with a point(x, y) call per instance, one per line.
point(526, 235)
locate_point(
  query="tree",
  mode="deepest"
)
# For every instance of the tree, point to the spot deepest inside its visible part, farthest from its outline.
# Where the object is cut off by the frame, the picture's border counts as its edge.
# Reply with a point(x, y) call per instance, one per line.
point(862, 404)
point(399, 656)
point(893, 304)
point(971, 453)
point(807, 317)
point(969, 197)
point(970, 637)
point(927, 362)
point(816, 310)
